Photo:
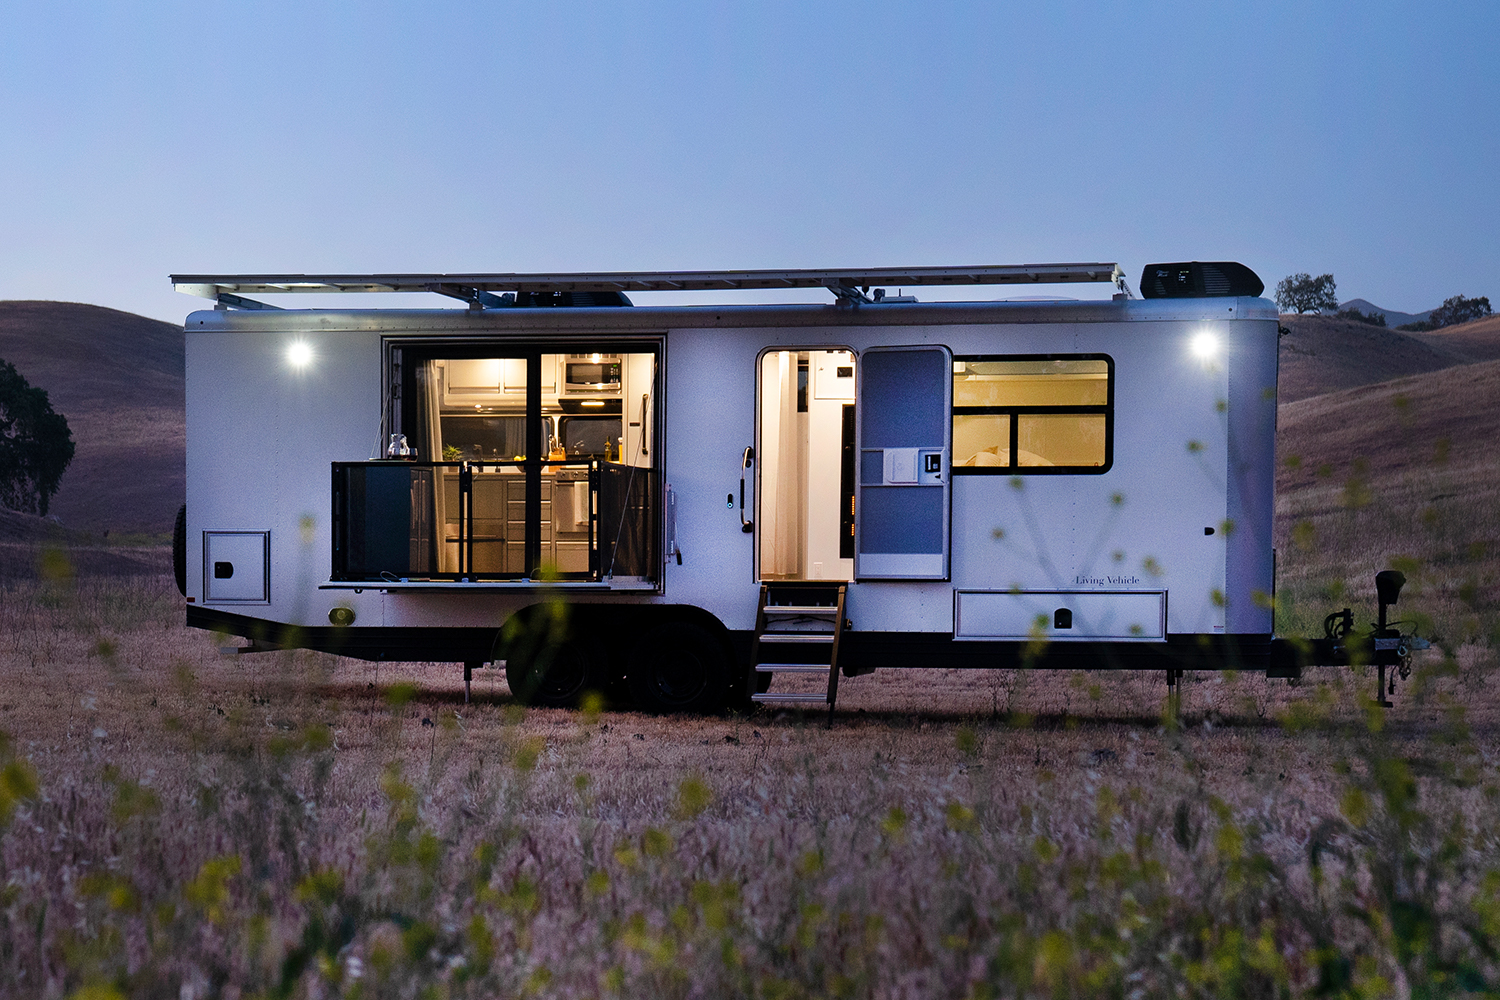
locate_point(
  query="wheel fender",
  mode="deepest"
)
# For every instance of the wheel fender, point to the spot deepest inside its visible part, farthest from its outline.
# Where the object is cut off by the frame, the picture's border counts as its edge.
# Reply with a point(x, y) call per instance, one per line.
point(179, 550)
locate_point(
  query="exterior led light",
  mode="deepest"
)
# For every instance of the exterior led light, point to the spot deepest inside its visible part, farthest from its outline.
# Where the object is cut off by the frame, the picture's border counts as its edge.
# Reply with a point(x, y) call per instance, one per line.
point(1205, 345)
point(299, 354)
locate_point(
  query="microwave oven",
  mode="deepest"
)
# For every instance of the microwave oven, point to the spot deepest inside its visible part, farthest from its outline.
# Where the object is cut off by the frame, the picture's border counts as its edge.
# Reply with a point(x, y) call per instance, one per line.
point(591, 373)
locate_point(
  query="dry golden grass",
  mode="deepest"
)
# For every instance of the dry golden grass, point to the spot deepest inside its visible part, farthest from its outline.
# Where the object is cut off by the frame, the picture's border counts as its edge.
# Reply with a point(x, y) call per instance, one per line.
point(1400, 474)
point(298, 824)
point(1322, 354)
point(1478, 340)
point(174, 822)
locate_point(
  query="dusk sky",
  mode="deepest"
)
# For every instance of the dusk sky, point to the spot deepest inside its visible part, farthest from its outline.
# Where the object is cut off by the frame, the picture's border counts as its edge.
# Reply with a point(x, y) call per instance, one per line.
point(1361, 139)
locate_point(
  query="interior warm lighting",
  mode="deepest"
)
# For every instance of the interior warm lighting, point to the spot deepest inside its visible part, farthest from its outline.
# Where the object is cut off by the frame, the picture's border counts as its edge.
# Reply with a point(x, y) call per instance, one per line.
point(593, 402)
point(594, 358)
point(1205, 345)
point(299, 354)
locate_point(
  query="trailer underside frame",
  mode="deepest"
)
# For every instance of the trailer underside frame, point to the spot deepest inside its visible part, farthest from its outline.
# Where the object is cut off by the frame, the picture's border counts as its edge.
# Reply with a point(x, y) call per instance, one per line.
point(860, 653)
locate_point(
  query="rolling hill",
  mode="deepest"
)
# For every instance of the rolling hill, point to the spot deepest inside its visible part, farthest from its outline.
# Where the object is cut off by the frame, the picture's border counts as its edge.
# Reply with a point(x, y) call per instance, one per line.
point(118, 378)
point(1323, 354)
point(1478, 340)
point(1392, 317)
point(1399, 474)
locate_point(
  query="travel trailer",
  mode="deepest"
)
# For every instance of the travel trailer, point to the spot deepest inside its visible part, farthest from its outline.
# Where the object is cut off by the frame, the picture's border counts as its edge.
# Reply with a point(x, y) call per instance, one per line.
point(684, 501)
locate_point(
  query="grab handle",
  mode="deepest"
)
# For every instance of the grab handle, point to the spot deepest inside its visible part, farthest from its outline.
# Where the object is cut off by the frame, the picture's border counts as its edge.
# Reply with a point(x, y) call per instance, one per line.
point(745, 462)
point(645, 402)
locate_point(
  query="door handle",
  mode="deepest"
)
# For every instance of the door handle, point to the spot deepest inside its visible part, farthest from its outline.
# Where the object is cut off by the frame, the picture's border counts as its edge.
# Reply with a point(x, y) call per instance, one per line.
point(747, 460)
point(645, 400)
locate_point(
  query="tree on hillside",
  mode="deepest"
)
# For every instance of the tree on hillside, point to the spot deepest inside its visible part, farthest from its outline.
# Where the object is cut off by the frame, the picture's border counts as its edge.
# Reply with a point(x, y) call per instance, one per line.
point(1371, 318)
point(1459, 310)
point(1302, 293)
point(35, 444)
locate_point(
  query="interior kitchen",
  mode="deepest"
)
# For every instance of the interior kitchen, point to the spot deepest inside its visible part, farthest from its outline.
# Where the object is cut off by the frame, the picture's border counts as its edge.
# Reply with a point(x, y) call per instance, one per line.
point(467, 421)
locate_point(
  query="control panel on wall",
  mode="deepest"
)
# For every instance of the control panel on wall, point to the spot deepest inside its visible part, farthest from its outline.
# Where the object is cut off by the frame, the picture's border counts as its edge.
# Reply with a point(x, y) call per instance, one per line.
point(237, 567)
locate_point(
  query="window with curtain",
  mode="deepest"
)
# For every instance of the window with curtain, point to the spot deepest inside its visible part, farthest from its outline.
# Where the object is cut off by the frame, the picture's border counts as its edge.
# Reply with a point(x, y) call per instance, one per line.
point(1033, 414)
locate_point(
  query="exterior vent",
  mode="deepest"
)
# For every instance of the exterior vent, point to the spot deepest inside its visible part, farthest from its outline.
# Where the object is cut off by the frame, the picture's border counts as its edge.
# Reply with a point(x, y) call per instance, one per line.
point(1195, 280)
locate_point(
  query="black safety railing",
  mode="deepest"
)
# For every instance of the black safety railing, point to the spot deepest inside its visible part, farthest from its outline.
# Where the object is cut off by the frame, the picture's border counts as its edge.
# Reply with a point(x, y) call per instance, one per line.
point(472, 521)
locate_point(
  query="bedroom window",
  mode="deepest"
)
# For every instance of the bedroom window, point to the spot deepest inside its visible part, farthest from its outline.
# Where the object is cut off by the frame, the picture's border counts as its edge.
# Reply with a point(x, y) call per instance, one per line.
point(1027, 414)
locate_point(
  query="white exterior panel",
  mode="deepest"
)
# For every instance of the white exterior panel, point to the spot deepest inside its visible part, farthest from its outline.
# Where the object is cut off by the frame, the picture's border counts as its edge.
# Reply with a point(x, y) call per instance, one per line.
point(1192, 446)
point(1025, 615)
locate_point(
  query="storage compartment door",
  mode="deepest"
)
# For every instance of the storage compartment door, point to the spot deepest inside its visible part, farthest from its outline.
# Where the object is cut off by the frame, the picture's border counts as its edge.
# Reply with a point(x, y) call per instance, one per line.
point(1060, 615)
point(905, 440)
point(236, 567)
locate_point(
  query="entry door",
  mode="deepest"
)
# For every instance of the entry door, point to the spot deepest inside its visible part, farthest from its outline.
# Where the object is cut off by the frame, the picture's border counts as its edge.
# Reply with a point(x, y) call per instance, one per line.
point(905, 441)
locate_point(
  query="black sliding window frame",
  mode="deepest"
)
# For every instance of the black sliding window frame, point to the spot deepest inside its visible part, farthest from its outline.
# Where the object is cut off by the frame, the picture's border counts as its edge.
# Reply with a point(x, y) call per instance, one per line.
point(1015, 412)
point(402, 355)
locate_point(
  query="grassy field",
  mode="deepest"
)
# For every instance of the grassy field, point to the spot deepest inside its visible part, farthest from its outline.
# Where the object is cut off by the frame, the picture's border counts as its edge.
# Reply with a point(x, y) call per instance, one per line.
point(182, 823)
point(1401, 474)
point(175, 822)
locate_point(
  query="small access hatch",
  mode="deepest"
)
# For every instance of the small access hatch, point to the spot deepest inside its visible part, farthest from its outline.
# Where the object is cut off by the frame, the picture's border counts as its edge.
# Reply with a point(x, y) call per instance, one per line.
point(237, 567)
point(1060, 615)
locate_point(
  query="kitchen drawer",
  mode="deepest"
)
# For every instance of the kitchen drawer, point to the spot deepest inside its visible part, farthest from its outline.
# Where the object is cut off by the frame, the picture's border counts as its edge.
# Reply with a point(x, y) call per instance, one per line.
point(489, 496)
point(515, 531)
point(572, 557)
point(517, 510)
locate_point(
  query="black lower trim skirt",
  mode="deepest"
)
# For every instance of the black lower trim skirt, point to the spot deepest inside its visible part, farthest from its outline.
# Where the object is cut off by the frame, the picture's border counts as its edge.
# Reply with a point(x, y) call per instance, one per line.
point(401, 643)
point(858, 652)
point(862, 651)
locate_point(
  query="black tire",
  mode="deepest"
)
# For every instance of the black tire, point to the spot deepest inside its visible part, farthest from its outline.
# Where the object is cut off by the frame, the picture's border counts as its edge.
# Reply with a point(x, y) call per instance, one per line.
point(556, 675)
point(179, 550)
point(679, 667)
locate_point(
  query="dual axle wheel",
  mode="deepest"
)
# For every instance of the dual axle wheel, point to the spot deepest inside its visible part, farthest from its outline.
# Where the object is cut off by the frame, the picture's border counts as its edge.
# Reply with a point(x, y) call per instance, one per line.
point(675, 666)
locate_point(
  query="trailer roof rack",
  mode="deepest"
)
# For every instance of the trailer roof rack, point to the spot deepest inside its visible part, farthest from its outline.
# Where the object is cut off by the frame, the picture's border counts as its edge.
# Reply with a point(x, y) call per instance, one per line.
point(848, 284)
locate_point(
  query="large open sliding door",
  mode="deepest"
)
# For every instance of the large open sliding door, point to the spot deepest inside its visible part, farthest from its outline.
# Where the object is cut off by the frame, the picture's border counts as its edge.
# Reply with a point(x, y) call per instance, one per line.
point(509, 461)
point(905, 441)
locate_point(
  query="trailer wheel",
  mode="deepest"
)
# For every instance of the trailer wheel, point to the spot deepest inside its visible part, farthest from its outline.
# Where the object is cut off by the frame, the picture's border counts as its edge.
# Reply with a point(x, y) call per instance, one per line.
point(558, 675)
point(678, 667)
point(179, 550)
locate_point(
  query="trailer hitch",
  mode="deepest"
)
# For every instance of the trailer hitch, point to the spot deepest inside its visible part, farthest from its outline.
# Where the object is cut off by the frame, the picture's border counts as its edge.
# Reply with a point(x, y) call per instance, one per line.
point(1392, 649)
point(1384, 645)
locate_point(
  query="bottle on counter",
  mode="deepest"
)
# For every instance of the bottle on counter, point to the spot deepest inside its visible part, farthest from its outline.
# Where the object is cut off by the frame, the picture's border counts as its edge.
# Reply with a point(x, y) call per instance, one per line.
point(398, 448)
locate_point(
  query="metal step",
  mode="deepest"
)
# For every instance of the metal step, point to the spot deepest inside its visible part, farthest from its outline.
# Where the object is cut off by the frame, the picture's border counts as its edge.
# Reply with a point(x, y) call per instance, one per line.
point(796, 637)
point(792, 668)
point(776, 698)
point(810, 610)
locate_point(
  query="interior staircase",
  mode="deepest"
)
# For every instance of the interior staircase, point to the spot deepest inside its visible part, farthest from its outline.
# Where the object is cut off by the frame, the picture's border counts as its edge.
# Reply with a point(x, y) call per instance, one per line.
point(797, 631)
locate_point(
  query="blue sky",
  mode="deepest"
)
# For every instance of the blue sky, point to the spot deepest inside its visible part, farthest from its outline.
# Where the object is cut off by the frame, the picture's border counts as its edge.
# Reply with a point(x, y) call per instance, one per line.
point(1361, 139)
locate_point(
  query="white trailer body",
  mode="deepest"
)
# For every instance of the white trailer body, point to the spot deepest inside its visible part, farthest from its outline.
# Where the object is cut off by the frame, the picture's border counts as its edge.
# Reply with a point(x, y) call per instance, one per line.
point(1059, 483)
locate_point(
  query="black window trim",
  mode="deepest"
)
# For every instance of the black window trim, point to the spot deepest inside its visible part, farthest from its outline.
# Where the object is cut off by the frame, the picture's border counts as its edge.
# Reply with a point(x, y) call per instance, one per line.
point(1108, 409)
point(400, 350)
